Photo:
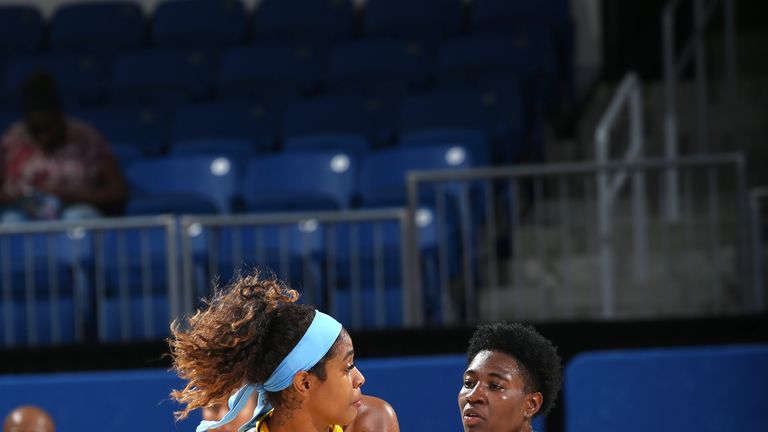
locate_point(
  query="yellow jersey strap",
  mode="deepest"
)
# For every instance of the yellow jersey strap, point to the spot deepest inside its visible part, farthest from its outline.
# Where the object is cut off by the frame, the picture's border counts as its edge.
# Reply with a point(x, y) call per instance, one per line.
point(261, 424)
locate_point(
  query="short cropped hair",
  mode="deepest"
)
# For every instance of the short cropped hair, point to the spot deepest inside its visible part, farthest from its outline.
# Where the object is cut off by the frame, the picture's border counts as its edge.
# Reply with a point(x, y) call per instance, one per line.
point(542, 366)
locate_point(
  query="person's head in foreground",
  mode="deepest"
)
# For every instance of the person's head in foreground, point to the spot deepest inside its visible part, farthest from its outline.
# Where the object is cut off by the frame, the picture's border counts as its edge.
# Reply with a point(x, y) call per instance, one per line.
point(514, 373)
point(254, 337)
point(28, 418)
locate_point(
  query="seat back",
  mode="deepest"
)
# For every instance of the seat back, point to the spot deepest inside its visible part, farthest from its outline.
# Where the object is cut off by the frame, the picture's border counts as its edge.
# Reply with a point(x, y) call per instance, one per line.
point(22, 30)
point(413, 20)
point(301, 180)
point(141, 126)
point(199, 24)
point(181, 182)
point(222, 121)
point(164, 77)
point(318, 22)
point(330, 123)
point(81, 79)
point(100, 27)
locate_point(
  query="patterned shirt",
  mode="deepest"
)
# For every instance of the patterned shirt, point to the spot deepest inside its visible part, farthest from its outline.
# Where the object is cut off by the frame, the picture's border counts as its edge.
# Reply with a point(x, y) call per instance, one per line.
point(76, 165)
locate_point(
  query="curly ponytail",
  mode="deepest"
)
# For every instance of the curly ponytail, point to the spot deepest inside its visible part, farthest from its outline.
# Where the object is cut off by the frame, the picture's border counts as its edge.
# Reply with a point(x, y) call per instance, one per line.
point(240, 337)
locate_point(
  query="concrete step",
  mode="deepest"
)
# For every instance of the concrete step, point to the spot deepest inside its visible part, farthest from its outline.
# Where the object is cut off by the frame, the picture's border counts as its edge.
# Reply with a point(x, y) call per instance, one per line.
point(564, 290)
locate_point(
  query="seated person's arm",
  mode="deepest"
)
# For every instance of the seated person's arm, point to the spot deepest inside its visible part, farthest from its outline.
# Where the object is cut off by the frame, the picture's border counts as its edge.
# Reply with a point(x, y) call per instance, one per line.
point(375, 415)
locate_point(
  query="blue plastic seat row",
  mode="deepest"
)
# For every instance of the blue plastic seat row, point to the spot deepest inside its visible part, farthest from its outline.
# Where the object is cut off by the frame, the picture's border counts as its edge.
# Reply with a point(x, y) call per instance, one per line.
point(113, 284)
point(489, 122)
point(108, 29)
point(122, 25)
point(371, 67)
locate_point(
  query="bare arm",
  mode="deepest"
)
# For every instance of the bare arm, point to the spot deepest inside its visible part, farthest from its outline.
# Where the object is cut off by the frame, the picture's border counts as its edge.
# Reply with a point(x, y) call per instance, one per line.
point(375, 415)
point(111, 188)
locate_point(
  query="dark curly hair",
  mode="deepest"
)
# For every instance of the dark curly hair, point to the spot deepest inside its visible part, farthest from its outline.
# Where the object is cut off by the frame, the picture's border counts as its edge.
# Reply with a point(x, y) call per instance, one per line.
point(542, 367)
point(240, 336)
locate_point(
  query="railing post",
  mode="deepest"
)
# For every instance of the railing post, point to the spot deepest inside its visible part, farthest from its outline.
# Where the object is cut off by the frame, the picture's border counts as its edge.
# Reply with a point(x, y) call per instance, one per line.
point(702, 114)
point(608, 185)
point(757, 234)
point(670, 111)
point(412, 290)
point(639, 205)
point(729, 49)
point(173, 269)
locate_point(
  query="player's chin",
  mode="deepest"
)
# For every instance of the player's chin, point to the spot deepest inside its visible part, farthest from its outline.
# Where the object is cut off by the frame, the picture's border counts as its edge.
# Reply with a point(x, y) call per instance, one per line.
point(350, 415)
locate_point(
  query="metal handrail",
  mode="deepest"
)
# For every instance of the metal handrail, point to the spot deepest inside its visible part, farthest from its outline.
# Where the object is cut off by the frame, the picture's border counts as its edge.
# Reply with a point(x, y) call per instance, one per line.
point(629, 94)
point(411, 299)
point(755, 197)
point(675, 64)
point(555, 173)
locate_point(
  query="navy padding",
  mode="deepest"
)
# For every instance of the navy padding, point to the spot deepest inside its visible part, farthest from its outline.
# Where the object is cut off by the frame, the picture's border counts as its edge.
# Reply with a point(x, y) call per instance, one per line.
point(673, 389)
point(121, 401)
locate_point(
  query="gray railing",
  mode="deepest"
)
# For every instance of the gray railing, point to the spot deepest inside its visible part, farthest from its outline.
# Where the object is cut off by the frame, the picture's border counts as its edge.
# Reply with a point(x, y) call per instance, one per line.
point(534, 251)
point(675, 64)
point(90, 271)
point(758, 199)
point(308, 242)
point(629, 95)
point(520, 242)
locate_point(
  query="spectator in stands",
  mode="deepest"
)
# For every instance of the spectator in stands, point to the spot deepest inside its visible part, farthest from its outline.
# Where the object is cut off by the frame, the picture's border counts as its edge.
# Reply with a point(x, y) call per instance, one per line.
point(254, 336)
point(28, 418)
point(374, 415)
point(53, 166)
point(514, 373)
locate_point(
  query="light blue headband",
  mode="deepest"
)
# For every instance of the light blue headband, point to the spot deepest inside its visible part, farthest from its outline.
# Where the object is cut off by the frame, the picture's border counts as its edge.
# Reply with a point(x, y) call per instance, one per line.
point(318, 339)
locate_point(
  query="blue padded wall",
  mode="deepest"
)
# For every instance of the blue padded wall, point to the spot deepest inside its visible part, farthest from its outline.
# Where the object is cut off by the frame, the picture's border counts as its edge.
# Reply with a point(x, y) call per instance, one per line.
point(673, 389)
point(122, 401)
point(128, 401)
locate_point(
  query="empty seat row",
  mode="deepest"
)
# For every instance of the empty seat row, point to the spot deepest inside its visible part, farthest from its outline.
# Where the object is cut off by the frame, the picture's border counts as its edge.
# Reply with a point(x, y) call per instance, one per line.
point(300, 180)
point(121, 25)
point(276, 73)
point(490, 122)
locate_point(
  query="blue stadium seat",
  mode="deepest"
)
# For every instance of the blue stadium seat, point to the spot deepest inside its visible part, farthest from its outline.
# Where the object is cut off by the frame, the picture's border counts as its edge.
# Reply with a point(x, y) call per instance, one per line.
point(389, 64)
point(499, 14)
point(81, 79)
point(448, 116)
point(140, 126)
point(7, 120)
point(424, 20)
point(309, 21)
point(642, 390)
point(128, 272)
point(273, 73)
point(126, 154)
point(526, 54)
point(22, 30)
point(375, 269)
point(163, 77)
point(289, 250)
point(40, 289)
point(301, 180)
point(552, 16)
point(383, 173)
point(220, 126)
point(328, 124)
point(103, 28)
point(199, 24)
point(197, 184)
point(135, 318)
